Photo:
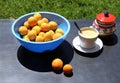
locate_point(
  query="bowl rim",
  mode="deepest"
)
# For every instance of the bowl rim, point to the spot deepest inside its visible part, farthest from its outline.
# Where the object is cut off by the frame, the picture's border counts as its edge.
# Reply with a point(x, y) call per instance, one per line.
point(40, 13)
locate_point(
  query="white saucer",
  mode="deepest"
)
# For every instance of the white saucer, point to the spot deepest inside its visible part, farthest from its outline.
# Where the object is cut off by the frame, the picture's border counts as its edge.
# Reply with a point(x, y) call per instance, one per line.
point(76, 44)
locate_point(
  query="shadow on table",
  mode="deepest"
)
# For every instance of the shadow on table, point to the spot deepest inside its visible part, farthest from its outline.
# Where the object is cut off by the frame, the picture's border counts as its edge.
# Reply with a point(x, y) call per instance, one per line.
point(41, 62)
point(110, 40)
point(89, 55)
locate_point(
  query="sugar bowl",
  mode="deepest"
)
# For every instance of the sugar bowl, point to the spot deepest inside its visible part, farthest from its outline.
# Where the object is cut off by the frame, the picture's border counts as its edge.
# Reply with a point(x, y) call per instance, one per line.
point(105, 23)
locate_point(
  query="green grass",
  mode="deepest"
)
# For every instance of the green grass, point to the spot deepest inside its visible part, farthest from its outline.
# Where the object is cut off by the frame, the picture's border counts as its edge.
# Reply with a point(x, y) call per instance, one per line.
point(71, 9)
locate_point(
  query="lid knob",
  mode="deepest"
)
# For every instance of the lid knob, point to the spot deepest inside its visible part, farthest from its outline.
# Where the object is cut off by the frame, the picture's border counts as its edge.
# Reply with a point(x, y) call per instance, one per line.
point(106, 14)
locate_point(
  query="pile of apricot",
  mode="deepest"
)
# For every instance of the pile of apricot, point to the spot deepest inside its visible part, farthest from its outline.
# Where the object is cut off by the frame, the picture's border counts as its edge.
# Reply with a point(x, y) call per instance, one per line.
point(57, 64)
point(40, 29)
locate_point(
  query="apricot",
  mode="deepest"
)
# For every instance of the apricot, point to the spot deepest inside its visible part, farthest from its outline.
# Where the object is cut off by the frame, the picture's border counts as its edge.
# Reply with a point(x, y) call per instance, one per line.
point(39, 39)
point(45, 27)
point(58, 30)
point(38, 16)
point(26, 24)
point(32, 35)
point(67, 69)
point(47, 37)
point(57, 64)
point(37, 29)
point(45, 20)
point(32, 21)
point(51, 32)
point(56, 36)
point(53, 25)
point(23, 30)
point(26, 38)
point(41, 34)
point(40, 22)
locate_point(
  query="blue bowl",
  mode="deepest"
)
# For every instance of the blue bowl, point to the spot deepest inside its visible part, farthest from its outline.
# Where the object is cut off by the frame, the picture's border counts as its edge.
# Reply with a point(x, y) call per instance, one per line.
point(40, 47)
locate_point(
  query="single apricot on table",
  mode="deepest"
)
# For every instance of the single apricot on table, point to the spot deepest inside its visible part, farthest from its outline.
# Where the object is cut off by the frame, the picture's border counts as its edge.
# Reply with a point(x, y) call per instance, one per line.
point(67, 69)
point(57, 64)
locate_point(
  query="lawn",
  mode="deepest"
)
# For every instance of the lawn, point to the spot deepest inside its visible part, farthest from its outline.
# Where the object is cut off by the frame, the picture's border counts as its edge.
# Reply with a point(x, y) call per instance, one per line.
point(71, 9)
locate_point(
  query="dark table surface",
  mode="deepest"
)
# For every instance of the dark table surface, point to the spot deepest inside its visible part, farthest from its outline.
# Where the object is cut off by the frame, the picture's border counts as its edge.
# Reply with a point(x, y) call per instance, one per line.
point(18, 65)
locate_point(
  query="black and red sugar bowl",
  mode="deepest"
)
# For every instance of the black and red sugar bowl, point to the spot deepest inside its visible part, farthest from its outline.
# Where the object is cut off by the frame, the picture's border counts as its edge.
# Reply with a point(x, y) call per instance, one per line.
point(105, 23)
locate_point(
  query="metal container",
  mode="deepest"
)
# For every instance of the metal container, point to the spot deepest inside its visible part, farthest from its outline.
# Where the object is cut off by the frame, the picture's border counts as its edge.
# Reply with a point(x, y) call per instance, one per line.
point(105, 23)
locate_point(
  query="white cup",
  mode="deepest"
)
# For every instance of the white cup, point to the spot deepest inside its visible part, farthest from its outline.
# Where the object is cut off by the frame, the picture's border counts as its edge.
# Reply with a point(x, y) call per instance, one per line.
point(88, 37)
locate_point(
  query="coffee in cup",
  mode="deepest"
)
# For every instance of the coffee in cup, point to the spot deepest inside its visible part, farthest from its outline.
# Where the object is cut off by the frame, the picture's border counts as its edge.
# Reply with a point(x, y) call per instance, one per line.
point(88, 37)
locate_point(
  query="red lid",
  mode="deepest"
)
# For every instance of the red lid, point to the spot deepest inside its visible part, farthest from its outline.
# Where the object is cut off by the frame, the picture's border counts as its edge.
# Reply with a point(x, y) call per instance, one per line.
point(106, 17)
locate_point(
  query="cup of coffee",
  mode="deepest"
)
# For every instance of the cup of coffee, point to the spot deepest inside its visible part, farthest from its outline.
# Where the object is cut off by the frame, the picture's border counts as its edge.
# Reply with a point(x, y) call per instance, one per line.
point(88, 36)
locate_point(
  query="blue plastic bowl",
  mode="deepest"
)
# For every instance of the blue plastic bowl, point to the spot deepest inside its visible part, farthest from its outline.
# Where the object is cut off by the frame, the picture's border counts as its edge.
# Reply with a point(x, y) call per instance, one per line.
point(40, 47)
